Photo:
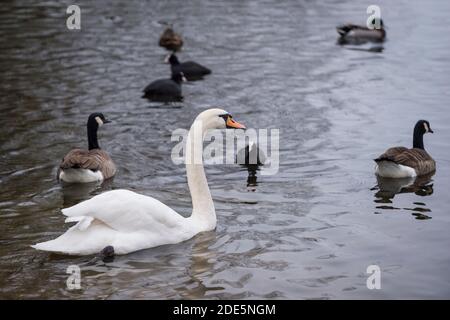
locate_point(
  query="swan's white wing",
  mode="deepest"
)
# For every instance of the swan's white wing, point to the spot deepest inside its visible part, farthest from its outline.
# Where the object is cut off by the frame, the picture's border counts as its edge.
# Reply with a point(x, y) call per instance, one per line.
point(125, 211)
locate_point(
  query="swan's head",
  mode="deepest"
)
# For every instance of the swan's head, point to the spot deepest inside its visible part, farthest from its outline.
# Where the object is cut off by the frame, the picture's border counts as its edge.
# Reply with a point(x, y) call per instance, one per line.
point(218, 119)
point(97, 119)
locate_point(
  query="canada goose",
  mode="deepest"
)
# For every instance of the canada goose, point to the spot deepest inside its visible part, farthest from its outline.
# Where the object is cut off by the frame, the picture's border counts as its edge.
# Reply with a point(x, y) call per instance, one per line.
point(170, 40)
point(351, 33)
point(94, 164)
point(191, 70)
point(128, 221)
point(401, 162)
point(165, 89)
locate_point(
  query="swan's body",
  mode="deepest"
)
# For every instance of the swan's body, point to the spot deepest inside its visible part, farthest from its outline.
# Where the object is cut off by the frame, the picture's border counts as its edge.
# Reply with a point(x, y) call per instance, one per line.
point(129, 221)
point(401, 162)
point(92, 165)
point(126, 220)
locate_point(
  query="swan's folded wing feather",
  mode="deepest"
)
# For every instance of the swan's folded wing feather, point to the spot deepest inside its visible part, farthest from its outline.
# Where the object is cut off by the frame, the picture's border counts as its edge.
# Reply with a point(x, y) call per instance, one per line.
point(127, 211)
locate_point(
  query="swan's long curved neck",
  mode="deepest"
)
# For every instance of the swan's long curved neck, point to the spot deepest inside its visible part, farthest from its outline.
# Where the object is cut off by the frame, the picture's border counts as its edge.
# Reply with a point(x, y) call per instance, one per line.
point(202, 203)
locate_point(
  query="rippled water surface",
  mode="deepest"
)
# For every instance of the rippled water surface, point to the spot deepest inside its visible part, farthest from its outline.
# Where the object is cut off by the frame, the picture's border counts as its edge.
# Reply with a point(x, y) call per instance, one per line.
point(309, 231)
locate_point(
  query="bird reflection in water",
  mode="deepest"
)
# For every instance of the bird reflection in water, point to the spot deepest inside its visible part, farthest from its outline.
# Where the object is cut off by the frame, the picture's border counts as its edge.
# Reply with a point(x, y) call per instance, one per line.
point(74, 193)
point(203, 260)
point(252, 158)
point(387, 189)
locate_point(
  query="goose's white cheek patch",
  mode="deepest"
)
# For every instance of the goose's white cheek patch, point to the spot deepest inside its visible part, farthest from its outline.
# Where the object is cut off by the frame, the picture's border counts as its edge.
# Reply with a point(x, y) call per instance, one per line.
point(99, 121)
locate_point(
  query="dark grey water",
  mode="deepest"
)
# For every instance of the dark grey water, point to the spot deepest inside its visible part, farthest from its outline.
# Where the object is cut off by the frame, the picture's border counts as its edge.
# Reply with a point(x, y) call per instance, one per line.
point(309, 231)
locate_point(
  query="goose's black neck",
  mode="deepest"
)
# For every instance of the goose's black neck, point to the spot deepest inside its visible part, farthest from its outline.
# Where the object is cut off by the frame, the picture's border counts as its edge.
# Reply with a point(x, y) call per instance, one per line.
point(92, 127)
point(418, 138)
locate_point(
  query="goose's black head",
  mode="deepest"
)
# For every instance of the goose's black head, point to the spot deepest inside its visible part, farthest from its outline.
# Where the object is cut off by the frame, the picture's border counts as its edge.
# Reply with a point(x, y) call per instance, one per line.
point(178, 77)
point(422, 127)
point(96, 120)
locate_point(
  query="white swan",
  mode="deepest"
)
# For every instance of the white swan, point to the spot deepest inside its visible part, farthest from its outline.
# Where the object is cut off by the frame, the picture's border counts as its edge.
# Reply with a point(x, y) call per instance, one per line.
point(129, 221)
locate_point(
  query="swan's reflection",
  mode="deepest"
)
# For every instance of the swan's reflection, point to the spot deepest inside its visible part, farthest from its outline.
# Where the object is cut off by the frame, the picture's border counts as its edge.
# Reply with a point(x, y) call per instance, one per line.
point(202, 264)
point(387, 189)
point(183, 268)
point(73, 193)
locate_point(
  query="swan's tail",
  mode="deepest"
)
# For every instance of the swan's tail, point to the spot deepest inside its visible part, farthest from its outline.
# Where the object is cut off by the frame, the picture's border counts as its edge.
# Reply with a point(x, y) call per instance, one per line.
point(81, 239)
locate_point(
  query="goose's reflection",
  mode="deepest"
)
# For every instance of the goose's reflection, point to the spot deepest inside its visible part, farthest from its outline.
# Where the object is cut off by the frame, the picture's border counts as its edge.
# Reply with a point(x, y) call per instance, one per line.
point(73, 193)
point(387, 189)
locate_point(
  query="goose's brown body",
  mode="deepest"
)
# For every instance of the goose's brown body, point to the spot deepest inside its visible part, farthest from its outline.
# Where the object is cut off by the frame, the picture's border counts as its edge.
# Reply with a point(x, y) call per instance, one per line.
point(94, 160)
point(415, 158)
point(351, 33)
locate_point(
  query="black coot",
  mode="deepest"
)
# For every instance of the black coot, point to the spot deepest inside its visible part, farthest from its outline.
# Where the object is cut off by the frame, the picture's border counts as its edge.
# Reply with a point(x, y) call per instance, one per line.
point(191, 70)
point(165, 90)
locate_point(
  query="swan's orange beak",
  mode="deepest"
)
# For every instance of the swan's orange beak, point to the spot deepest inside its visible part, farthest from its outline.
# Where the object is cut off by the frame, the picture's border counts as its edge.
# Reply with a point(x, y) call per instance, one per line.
point(234, 124)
